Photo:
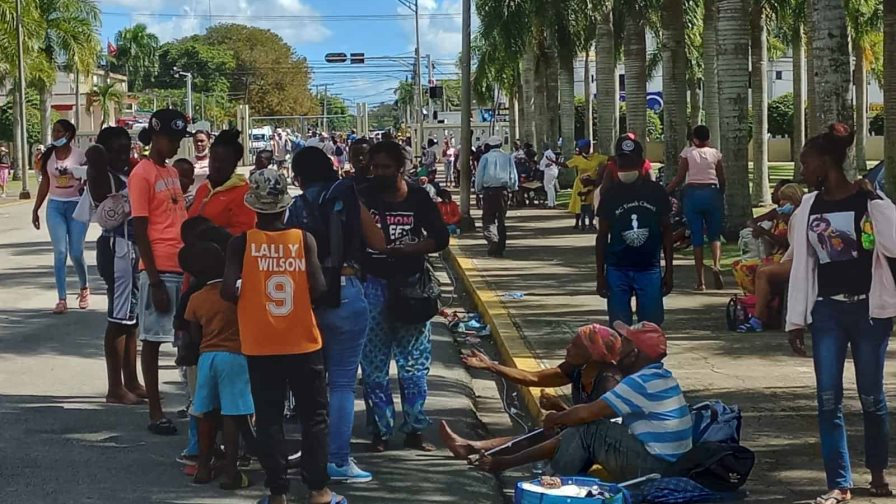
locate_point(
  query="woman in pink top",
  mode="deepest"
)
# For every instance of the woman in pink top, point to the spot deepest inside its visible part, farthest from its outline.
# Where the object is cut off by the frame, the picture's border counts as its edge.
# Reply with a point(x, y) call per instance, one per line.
point(62, 181)
point(700, 168)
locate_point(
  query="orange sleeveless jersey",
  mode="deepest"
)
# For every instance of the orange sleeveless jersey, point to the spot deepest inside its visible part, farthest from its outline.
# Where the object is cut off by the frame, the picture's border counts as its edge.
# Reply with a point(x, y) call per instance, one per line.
point(274, 308)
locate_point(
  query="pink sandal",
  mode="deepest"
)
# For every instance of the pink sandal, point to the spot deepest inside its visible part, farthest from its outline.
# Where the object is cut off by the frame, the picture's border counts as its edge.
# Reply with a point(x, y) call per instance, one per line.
point(84, 298)
point(61, 308)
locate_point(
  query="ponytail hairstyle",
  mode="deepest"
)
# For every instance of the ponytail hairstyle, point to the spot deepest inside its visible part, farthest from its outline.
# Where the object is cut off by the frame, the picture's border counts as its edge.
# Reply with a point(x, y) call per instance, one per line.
point(229, 139)
point(70, 132)
point(832, 145)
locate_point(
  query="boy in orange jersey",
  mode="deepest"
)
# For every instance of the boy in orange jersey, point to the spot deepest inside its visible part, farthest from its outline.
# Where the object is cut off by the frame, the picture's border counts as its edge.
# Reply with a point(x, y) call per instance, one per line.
point(273, 274)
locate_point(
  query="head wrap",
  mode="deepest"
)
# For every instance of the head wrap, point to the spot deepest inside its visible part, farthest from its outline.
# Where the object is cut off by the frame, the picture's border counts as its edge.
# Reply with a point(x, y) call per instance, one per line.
point(602, 342)
point(647, 337)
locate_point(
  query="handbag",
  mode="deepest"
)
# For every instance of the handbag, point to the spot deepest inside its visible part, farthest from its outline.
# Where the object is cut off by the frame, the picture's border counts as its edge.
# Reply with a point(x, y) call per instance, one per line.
point(414, 299)
point(114, 210)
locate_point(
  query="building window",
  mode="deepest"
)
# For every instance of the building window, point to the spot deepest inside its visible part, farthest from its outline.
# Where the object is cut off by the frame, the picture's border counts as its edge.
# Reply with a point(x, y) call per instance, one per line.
point(779, 75)
point(622, 82)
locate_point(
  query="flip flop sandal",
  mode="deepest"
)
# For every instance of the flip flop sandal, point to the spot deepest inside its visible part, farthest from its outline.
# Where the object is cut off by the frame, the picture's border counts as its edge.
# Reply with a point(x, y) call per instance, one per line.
point(162, 427)
point(831, 498)
point(241, 482)
point(337, 499)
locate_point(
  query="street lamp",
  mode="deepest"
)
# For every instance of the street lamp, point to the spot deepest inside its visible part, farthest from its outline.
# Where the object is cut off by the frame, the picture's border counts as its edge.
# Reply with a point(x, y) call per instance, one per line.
point(415, 8)
point(22, 147)
point(180, 73)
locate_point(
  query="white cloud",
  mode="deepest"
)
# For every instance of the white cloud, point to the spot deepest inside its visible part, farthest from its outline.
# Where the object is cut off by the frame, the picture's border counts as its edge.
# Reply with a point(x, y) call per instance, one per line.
point(192, 17)
point(439, 36)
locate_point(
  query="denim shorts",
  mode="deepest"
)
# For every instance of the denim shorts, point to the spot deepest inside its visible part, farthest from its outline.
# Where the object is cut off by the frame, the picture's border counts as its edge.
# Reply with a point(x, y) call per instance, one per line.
point(155, 326)
point(703, 208)
point(222, 383)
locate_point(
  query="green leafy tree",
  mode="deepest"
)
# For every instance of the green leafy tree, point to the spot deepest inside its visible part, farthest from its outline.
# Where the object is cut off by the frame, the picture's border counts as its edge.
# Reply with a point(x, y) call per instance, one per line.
point(269, 75)
point(337, 106)
point(212, 66)
point(137, 57)
point(876, 124)
point(32, 119)
point(780, 116)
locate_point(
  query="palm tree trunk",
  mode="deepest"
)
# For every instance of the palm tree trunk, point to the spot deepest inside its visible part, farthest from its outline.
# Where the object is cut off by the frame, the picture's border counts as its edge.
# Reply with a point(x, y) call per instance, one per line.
point(861, 84)
point(710, 68)
point(889, 86)
point(607, 82)
point(799, 100)
point(675, 83)
point(695, 105)
point(734, 62)
point(635, 55)
point(529, 113)
point(833, 102)
point(589, 103)
point(46, 96)
point(551, 87)
point(813, 127)
point(513, 114)
point(566, 89)
point(759, 63)
point(16, 133)
point(77, 114)
point(542, 120)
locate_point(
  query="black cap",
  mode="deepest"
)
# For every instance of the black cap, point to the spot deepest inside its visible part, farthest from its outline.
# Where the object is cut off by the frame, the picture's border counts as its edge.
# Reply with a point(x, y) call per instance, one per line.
point(628, 145)
point(169, 122)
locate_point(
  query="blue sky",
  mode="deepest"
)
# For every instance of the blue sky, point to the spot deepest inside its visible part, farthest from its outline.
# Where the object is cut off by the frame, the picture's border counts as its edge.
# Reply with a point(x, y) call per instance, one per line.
point(316, 27)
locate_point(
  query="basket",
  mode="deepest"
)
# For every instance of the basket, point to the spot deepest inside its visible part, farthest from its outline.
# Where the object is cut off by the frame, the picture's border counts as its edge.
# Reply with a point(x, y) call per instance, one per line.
point(619, 495)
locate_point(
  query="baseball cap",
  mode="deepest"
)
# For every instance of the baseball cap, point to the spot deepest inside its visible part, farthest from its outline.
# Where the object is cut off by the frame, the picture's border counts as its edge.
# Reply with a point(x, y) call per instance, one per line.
point(583, 144)
point(647, 337)
point(268, 191)
point(495, 141)
point(169, 122)
point(628, 145)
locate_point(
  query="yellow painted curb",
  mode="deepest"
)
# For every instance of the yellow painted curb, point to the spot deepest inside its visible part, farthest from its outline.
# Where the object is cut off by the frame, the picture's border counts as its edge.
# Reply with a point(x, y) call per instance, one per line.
point(515, 351)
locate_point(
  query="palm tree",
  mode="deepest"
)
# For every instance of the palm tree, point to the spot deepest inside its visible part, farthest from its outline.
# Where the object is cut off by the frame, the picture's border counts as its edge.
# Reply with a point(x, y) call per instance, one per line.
point(137, 57)
point(830, 44)
point(572, 34)
point(791, 18)
point(105, 96)
point(865, 19)
point(733, 63)
point(759, 86)
point(889, 85)
point(606, 79)
point(635, 55)
point(675, 82)
point(528, 113)
point(710, 67)
point(404, 99)
point(551, 83)
point(70, 41)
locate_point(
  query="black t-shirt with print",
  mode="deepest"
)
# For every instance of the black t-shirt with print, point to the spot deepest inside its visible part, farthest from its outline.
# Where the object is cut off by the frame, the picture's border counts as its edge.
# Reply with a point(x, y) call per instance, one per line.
point(411, 220)
point(835, 234)
point(636, 213)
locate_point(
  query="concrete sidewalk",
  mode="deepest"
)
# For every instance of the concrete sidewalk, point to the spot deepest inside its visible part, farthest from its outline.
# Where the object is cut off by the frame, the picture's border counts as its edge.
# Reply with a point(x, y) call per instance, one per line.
point(553, 267)
point(62, 444)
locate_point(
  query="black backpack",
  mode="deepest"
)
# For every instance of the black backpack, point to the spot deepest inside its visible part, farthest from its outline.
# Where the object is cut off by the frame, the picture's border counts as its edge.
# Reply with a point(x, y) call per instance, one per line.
point(720, 467)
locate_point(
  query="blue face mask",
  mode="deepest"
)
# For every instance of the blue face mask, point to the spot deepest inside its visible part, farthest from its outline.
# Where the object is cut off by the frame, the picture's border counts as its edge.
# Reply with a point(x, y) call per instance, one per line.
point(785, 209)
point(61, 142)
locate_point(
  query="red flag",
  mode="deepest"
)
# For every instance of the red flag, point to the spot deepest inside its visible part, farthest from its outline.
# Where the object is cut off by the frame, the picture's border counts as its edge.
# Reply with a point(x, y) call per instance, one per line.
point(111, 49)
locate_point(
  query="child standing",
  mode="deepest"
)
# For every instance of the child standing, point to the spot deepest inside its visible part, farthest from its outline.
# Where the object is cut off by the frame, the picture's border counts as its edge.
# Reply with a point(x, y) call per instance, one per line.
point(280, 274)
point(222, 387)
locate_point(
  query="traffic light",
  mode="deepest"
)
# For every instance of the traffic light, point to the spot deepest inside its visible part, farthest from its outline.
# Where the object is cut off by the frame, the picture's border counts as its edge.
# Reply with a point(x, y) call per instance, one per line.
point(436, 92)
point(356, 58)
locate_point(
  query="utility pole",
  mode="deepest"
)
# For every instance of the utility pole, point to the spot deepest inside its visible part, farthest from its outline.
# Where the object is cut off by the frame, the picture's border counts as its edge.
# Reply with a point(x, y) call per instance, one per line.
point(22, 147)
point(429, 87)
point(466, 137)
point(325, 108)
point(189, 95)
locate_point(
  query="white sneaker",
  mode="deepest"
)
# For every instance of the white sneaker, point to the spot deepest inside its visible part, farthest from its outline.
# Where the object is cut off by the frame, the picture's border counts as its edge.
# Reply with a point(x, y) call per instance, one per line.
point(349, 473)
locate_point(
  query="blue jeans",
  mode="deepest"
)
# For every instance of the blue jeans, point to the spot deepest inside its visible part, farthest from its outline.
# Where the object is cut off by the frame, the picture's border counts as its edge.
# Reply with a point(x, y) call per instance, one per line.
point(645, 285)
point(836, 325)
point(703, 205)
point(411, 347)
point(67, 236)
point(344, 331)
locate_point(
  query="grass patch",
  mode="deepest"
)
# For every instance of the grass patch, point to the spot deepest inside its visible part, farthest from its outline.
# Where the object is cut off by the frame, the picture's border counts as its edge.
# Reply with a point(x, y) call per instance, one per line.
point(15, 187)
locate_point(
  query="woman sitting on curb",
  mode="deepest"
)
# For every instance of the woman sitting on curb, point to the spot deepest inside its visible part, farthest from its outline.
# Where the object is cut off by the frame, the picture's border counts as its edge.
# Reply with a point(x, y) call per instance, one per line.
point(590, 367)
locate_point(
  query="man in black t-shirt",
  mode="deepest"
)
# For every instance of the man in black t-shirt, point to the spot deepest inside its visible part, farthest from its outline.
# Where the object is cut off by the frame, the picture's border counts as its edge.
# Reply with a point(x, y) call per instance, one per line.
point(634, 226)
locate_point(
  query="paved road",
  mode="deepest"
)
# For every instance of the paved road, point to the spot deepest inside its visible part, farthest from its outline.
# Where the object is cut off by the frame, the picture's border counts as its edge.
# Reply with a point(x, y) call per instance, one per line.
point(554, 267)
point(62, 444)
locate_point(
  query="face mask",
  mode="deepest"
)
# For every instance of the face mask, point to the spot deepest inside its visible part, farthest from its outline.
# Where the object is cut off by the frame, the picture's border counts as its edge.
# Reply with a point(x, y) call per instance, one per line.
point(629, 177)
point(785, 209)
point(202, 154)
point(61, 142)
point(384, 183)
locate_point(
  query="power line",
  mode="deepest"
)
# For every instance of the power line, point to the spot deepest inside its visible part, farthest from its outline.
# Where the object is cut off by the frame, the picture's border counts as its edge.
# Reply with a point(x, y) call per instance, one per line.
point(294, 17)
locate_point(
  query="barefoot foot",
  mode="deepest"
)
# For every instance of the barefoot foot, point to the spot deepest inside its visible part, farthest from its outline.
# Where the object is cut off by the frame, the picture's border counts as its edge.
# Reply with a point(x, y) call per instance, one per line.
point(458, 446)
point(123, 397)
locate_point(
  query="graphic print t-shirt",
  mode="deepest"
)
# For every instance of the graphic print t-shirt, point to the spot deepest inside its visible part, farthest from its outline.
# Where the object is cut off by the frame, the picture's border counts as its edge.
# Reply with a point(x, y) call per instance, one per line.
point(835, 233)
point(635, 212)
point(411, 220)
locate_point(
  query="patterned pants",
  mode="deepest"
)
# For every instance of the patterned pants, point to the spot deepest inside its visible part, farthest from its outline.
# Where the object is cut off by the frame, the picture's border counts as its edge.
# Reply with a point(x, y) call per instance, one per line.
point(411, 346)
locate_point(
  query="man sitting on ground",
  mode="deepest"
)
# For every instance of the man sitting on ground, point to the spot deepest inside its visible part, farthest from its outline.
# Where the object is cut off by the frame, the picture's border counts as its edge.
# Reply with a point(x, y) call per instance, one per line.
point(656, 424)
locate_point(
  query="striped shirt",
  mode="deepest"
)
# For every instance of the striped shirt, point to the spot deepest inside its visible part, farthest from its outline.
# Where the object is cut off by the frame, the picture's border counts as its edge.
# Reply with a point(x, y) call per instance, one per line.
point(653, 408)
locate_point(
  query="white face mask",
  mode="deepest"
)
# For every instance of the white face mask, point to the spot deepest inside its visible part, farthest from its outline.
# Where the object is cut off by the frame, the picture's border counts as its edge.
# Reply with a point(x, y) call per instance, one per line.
point(629, 177)
point(60, 142)
point(202, 154)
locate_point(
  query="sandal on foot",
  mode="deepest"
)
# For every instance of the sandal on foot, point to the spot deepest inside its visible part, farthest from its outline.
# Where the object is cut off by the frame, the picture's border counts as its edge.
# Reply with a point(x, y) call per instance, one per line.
point(60, 308)
point(717, 278)
point(415, 442)
point(241, 481)
point(84, 298)
point(833, 497)
point(162, 427)
point(379, 445)
point(882, 490)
